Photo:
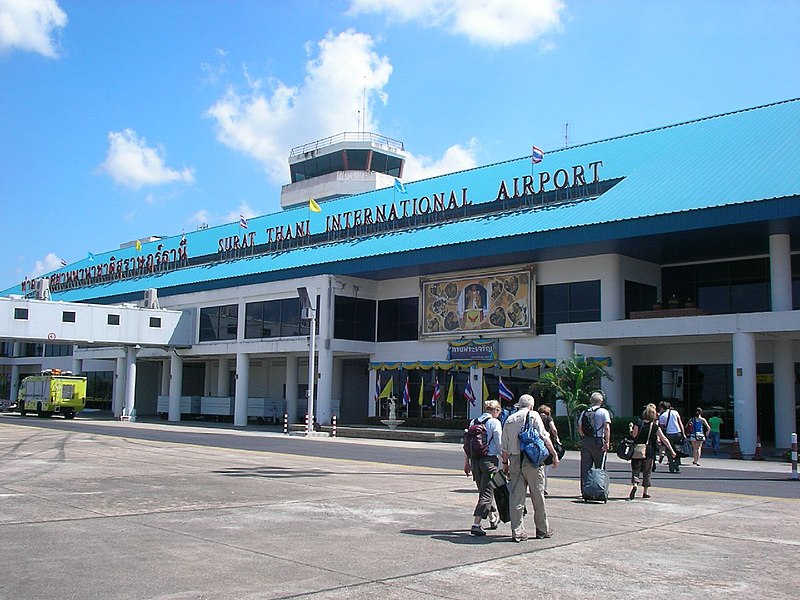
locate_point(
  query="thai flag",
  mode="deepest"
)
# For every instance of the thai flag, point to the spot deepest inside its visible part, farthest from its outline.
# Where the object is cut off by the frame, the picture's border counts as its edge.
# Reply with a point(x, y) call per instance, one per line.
point(242, 222)
point(437, 392)
point(537, 155)
point(504, 392)
point(406, 394)
point(63, 263)
point(469, 394)
point(378, 387)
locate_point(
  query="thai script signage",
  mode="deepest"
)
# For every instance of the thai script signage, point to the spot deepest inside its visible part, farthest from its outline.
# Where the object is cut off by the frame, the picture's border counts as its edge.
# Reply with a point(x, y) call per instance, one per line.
point(480, 349)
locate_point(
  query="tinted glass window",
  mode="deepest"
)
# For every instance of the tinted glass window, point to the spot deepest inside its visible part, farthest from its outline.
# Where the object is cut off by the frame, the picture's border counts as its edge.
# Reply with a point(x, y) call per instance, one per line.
point(354, 319)
point(566, 303)
point(398, 320)
point(219, 323)
point(357, 160)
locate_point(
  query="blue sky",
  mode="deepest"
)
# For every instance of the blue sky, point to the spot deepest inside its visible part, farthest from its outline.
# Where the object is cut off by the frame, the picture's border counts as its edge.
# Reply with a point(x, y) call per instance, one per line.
point(125, 119)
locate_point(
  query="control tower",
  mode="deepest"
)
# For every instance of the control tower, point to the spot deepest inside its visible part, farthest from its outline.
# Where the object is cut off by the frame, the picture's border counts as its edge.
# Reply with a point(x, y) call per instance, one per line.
point(342, 165)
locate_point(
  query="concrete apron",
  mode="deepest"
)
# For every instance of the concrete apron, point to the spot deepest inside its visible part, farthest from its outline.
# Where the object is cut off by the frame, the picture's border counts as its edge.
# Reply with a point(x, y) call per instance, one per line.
point(97, 517)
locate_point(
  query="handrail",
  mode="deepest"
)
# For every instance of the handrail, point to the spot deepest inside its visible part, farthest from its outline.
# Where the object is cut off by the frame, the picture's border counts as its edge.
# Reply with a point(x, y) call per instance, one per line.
point(349, 136)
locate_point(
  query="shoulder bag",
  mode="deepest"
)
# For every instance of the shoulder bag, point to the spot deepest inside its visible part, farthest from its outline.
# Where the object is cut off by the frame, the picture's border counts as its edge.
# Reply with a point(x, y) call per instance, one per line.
point(640, 450)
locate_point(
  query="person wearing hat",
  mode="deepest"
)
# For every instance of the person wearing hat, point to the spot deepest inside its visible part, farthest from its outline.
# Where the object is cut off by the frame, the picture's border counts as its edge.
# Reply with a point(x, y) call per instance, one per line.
point(523, 475)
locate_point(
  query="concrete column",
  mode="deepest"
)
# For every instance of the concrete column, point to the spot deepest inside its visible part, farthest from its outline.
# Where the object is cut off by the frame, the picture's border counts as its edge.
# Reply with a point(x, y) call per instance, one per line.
point(783, 368)
point(291, 388)
point(242, 389)
point(223, 378)
point(780, 271)
point(324, 385)
point(130, 383)
point(118, 393)
point(175, 386)
point(564, 348)
point(612, 291)
point(164, 388)
point(373, 380)
point(336, 388)
point(14, 383)
point(76, 363)
point(613, 389)
point(744, 391)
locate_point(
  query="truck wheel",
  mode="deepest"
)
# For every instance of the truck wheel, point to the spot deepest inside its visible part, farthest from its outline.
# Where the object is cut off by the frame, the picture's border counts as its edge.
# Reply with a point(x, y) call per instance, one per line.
point(22, 411)
point(70, 414)
point(39, 412)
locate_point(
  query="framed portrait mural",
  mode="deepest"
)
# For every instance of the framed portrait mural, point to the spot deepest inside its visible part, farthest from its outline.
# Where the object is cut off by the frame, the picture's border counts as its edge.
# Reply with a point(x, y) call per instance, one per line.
point(480, 303)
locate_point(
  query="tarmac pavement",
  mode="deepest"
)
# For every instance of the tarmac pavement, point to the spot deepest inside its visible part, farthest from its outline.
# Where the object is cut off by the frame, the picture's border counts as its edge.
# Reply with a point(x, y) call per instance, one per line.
point(89, 516)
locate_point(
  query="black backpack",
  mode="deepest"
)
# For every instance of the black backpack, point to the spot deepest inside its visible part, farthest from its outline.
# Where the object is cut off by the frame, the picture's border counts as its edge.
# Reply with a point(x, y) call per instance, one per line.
point(476, 439)
point(588, 423)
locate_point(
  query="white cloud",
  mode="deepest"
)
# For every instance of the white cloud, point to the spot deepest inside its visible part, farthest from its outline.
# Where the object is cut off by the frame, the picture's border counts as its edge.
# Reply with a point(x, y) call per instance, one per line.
point(496, 23)
point(456, 158)
point(30, 25)
point(266, 125)
point(130, 162)
point(50, 262)
point(204, 217)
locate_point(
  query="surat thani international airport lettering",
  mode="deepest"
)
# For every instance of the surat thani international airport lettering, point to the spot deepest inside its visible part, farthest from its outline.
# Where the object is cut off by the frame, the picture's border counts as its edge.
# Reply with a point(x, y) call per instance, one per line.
point(444, 202)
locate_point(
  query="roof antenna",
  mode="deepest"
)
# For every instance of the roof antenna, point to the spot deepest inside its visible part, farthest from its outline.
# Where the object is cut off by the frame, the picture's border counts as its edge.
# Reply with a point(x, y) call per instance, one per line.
point(364, 120)
point(566, 134)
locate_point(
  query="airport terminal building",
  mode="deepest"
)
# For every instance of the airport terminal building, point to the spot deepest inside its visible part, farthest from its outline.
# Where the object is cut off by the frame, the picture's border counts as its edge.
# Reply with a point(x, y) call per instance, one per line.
point(672, 256)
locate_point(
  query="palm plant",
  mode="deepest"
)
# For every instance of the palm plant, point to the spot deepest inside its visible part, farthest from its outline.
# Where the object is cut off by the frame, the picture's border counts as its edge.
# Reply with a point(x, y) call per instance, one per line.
point(572, 381)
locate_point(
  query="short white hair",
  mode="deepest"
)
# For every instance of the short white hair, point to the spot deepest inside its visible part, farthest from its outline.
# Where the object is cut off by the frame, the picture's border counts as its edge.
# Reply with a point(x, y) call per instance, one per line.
point(596, 398)
point(526, 401)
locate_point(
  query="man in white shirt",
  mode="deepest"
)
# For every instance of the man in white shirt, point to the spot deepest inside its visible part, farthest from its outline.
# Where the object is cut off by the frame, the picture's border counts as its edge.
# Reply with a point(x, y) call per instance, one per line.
point(672, 425)
point(594, 443)
point(522, 474)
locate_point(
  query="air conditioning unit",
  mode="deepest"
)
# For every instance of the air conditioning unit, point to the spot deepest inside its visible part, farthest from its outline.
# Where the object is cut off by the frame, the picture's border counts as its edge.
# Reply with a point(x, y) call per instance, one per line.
point(151, 298)
point(43, 289)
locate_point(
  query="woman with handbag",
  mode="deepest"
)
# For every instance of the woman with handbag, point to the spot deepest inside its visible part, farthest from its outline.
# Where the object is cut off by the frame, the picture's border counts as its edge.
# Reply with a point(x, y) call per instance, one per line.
point(646, 436)
point(550, 427)
point(697, 429)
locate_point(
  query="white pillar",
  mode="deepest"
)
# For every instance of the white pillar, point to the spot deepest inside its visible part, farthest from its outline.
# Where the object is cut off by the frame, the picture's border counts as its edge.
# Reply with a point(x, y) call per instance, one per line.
point(373, 380)
point(612, 291)
point(175, 386)
point(130, 383)
point(242, 389)
point(613, 388)
point(14, 383)
point(336, 388)
point(780, 270)
point(164, 387)
point(118, 393)
point(291, 388)
point(324, 383)
point(224, 378)
point(783, 369)
point(744, 391)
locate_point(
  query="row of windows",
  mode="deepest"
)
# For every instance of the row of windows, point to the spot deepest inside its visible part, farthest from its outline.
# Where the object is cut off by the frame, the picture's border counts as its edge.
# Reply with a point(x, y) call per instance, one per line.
point(346, 160)
point(68, 316)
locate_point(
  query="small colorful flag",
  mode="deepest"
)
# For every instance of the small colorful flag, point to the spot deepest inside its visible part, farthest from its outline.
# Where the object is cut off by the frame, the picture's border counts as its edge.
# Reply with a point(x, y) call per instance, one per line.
point(313, 206)
point(469, 394)
point(406, 394)
point(504, 392)
point(437, 392)
point(387, 389)
point(537, 155)
point(63, 263)
point(90, 257)
point(450, 392)
point(138, 246)
point(421, 389)
point(485, 390)
point(377, 387)
point(242, 222)
point(399, 187)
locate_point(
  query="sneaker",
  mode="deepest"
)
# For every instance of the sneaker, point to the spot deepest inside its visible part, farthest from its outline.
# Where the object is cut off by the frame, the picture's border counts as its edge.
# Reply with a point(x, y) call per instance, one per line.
point(477, 531)
point(645, 495)
point(493, 523)
point(543, 535)
point(519, 538)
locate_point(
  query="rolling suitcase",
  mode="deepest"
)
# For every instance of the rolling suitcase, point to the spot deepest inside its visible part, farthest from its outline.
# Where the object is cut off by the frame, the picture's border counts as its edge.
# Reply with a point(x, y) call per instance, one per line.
point(595, 486)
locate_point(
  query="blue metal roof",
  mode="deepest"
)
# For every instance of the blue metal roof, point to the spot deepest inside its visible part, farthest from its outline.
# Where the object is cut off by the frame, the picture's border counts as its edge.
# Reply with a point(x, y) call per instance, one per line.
point(737, 158)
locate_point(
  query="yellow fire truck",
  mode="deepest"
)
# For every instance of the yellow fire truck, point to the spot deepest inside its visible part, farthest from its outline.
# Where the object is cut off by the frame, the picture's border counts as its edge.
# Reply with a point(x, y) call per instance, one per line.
point(52, 392)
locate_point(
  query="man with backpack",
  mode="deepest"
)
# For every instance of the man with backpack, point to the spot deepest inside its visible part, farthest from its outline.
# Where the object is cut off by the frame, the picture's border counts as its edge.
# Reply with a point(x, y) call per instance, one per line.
point(523, 474)
point(594, 426)
point(482, 451)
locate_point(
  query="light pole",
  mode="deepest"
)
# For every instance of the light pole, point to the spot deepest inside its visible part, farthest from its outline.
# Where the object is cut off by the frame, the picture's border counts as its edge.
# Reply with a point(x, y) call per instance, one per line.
point(308, 312)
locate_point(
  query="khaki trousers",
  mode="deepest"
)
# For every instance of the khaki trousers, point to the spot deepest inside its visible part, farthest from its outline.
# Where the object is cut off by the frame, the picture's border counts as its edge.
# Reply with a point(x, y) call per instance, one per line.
point(527, 478)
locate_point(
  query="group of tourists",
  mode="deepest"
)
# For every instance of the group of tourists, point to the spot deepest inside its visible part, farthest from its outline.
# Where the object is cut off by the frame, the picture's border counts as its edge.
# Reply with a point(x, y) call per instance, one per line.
point(659, 432)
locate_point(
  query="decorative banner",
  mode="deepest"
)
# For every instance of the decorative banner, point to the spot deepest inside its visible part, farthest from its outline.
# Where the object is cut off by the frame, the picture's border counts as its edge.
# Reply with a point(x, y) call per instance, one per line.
point(472, 350)
point(484, 302)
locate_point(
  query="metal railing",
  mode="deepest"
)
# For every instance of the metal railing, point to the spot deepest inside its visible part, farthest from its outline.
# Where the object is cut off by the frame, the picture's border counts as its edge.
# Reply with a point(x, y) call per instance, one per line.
point(352, 136)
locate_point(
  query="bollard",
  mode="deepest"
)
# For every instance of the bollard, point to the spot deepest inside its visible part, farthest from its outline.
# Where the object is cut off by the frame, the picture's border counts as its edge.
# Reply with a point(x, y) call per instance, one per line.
point(736, 452)
point(759, 453)
point(306, 424)
point(285, 424)
point(333, 426)
point(794, 456)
